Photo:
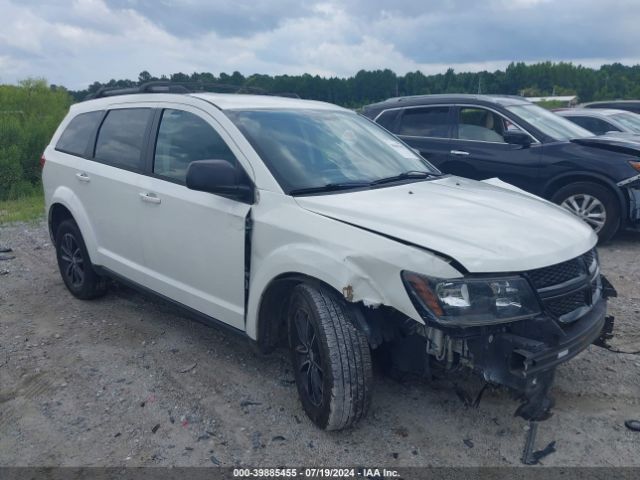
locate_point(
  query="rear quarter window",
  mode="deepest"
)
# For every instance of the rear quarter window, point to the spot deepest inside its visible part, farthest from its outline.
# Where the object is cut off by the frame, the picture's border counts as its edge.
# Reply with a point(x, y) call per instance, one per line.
point(387, 119)
point(76, 137)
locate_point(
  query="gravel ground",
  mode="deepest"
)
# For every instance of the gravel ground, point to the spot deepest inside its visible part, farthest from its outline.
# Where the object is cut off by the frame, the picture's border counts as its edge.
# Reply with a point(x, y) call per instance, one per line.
point(130, 380)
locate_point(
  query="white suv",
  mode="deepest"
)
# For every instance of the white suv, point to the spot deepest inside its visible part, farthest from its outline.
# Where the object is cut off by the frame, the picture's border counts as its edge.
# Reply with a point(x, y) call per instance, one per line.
point(304, 223)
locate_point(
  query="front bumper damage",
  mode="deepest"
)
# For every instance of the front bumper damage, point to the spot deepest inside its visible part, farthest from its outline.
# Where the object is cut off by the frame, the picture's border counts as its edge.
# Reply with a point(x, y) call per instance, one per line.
point(521, 356)
point(524, 358)
point(632, 187)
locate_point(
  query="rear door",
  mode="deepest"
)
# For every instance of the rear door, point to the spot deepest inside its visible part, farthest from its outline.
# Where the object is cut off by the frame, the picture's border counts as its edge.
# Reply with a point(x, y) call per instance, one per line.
point(427, 129)
point(479, 151)
point(194, 242)
point(107, 185)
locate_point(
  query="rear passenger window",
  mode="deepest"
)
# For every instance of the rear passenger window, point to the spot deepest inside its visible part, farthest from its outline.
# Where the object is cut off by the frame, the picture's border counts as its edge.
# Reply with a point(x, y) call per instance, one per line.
point(121, 137)
point(75, 138)
point(183, 138)
point(425, 122)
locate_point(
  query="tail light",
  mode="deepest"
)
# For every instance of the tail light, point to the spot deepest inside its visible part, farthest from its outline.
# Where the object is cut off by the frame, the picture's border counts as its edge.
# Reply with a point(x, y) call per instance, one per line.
point(42, 161)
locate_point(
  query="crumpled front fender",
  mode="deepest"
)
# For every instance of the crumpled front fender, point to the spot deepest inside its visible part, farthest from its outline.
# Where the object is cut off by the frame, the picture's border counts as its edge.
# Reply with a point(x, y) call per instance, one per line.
point(363, 266)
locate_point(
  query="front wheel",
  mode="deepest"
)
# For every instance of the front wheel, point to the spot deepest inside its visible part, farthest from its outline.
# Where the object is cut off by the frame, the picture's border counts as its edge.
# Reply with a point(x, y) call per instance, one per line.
point(331, 358)
point(593, 203)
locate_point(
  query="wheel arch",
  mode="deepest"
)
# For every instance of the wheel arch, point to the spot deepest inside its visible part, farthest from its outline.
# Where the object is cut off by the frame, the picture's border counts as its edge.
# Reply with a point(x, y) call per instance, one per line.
point(272, 282)
point(561, 181)
point(272, 308)
point(64, 205)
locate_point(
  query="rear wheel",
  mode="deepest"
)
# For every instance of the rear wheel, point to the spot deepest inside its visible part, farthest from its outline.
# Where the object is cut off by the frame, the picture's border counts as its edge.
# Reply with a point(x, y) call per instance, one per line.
point(331, 358)
point(75, 265)
point(593, 203)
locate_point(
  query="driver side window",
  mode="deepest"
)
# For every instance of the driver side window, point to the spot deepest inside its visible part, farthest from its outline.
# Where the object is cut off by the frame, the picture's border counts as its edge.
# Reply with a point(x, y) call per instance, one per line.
point(483, 125)
point(183, 138)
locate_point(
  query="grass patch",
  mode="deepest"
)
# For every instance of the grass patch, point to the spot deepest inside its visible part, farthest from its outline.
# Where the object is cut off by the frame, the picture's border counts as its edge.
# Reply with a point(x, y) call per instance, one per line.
point(23, 209)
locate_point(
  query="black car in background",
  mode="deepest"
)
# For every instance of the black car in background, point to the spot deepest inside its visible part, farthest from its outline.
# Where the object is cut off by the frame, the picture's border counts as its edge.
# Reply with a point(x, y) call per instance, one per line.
point(628, 105)
point(486, 136)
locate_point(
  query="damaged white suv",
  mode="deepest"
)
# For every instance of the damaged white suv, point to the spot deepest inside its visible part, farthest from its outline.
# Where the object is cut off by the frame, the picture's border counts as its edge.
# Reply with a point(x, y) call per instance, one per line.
point(302, 222)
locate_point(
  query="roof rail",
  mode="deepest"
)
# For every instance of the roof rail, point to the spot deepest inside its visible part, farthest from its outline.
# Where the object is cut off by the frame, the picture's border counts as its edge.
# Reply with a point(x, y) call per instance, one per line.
point(166, 86)
point(147, 87)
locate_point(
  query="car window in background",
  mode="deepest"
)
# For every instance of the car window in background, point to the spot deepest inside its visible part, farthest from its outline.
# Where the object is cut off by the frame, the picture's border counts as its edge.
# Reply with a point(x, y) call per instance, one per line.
point(480, 124)
point(629, 120)
point(549, 123)
point(183, 138)
point(312, 148)
point(75, 138)
point(121, 137)
point(425, 122)
point(594, 125)
point(387, 119)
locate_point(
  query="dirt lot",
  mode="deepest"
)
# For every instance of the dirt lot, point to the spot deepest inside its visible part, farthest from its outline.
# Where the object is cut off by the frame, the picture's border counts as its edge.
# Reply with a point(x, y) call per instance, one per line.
point(129, 380)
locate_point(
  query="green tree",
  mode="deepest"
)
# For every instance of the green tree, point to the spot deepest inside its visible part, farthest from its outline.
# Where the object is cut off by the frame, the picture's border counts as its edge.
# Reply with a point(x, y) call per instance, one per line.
point(29, 114)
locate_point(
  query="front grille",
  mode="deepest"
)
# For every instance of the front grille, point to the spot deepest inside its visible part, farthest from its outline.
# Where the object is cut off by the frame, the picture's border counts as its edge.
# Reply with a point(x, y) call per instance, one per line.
point(566, 304)
point(546, 278)
point(557, 274)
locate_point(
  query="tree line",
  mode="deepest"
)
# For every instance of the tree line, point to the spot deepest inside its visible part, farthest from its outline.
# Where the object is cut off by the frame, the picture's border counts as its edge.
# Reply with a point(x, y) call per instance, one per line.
point(31, 110)
point(614, 81)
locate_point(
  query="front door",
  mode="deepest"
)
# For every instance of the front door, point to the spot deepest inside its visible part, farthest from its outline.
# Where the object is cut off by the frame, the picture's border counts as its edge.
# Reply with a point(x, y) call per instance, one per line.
point(194, 242)
point(479, 151)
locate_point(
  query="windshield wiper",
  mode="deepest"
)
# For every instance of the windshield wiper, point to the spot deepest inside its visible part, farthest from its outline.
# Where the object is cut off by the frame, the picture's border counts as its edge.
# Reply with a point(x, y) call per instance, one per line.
point(329, 187)
point(404, 176)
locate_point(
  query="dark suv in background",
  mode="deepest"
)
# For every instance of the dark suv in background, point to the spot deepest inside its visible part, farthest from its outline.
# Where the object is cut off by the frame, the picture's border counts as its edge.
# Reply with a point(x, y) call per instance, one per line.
point(483, 136)
point(628, 105)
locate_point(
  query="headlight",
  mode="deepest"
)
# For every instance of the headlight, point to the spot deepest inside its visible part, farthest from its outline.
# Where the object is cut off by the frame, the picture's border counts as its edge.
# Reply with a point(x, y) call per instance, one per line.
point(472, 301)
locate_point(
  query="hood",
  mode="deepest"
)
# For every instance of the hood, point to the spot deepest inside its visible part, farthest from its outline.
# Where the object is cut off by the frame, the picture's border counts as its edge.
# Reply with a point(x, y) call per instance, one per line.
point(627, 143)
point(484, 227)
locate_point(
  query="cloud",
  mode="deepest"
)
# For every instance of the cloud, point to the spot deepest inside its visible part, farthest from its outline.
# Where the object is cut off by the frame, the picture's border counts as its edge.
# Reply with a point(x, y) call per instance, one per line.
point(77, 42)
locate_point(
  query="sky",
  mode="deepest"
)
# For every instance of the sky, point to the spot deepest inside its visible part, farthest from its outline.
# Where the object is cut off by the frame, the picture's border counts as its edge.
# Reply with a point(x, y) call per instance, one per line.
point(76, 42)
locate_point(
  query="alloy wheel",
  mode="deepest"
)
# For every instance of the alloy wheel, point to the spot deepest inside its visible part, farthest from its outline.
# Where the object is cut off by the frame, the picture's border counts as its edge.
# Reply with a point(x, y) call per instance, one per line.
point(72, 260)
point(588, 208)
point(307, 350)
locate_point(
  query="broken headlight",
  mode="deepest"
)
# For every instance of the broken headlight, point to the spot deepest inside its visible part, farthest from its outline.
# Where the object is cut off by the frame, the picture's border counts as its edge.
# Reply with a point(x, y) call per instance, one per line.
point(472, 301)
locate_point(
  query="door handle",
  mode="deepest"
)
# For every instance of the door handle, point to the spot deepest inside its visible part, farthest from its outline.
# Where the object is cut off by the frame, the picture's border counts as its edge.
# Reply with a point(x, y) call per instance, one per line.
point(83, 177)
point(149, 197)
point(459, 153)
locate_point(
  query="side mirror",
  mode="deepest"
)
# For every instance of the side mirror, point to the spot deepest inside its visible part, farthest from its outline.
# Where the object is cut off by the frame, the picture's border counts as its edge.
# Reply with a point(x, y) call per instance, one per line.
point(517, 138)
point(219, 177)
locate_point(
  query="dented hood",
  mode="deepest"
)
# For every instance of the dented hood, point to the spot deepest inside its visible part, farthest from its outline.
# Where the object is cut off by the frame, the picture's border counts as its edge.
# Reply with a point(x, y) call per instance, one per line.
point(486, 228)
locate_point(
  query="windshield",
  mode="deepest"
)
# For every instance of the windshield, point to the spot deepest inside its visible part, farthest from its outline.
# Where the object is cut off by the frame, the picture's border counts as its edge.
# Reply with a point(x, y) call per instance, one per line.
point(629, 120)
point(312, 149)
point(549, 123)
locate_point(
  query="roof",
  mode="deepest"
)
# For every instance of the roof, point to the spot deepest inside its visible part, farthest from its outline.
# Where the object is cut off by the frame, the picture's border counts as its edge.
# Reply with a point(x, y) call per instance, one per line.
point(235, 101)
point(553, 98)
point(606, 102)
point(591, 112)
point(223, 101)
point(414, 100)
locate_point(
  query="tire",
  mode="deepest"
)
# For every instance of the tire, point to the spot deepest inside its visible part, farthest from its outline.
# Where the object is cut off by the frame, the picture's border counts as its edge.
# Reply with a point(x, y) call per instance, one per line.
point(75, 265)
point(334, 376)
point(598, 200)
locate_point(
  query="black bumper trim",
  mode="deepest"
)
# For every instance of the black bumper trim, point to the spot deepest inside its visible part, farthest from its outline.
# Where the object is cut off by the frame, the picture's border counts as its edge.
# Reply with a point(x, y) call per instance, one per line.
point(516, 357)
point(536, 361)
